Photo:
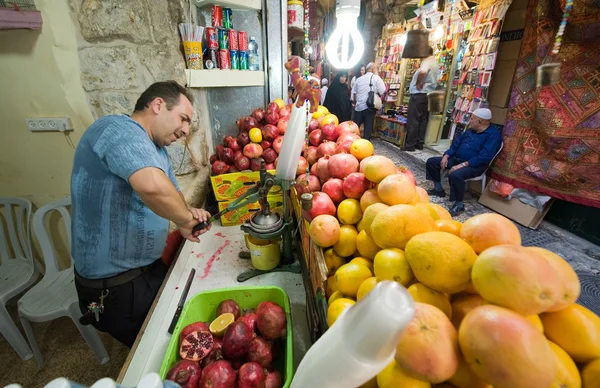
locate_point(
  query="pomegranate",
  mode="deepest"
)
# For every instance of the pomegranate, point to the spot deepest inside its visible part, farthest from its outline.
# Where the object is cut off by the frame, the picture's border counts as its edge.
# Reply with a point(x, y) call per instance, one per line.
point(243, 139)
point(273, 106)
point(219, 167)
point(196, 326)
point(237, 364)
point(271, 117)
point(270, 166)
point(271, 321)
point(344, 147)
point(311, 155)
point(405, 171)
point(302, 186)
point(237, 154)
point(355, 185)
point(326, 148)
point(249, 319)
point(236, 340)
point(302, 164)
point(348, 127)
point(335, 189)
point(196, 345)
point(258, 114)
point(316, 137)
point(186, 373)
point(229, 306)
point(215, 354)
point(342, 165)
point(233, 144)
point(219, 149)
point(269, 155)
point(274, 380)
point(226, 155)
point(312, 125)
point(270, 132)
point(219, 374)
point(251, 375)
point(275, 348)
point(233, 169)
point(322, 169)
point(265, 144)
point(227, 139)
point(329, 132)
point(241, 124)
point(284, 112)
point(255, 163)
point(277, 143)
point(213, 158)
point(260, 352)
point(282, 126)
point(252, 150)
point(250, 123)
point(313, 170)
point(347, 136)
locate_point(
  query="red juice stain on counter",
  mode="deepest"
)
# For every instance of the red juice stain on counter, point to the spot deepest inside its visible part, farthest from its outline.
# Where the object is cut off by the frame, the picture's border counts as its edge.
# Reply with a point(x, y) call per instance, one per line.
point(219, 234)
point(214, 257)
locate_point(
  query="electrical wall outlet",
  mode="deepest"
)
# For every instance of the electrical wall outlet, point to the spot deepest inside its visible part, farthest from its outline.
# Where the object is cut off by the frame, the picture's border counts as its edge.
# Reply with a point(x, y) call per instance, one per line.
point(45, 124)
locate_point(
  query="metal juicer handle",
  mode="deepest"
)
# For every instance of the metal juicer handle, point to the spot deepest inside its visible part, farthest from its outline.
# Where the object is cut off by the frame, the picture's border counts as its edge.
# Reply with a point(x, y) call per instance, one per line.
point(204, 225)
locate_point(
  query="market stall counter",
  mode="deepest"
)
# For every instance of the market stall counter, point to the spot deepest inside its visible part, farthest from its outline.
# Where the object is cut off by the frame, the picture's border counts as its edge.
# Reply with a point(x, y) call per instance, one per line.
point(217, 265)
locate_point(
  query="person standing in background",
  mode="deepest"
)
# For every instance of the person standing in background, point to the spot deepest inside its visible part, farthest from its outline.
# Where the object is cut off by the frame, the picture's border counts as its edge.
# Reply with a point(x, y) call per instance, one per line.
point(324, 88)
point(337, 101)
point(361, 72)
point(363, 85)
point(424, 81)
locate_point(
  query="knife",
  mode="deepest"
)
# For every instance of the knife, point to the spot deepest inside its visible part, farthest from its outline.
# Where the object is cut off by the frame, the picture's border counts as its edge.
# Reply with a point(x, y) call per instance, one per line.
point(186, 289)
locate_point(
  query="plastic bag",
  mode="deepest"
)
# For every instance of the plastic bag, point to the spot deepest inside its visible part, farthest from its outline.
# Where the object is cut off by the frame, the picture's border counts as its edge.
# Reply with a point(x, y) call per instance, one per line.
point(501, 188)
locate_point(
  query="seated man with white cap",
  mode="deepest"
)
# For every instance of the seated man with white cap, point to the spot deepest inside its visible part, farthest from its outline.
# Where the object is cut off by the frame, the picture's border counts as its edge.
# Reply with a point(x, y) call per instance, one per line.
point(468, 157)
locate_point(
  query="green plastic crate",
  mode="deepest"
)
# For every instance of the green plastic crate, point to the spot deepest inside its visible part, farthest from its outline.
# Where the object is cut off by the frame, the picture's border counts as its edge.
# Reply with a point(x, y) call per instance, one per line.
point(202, 307)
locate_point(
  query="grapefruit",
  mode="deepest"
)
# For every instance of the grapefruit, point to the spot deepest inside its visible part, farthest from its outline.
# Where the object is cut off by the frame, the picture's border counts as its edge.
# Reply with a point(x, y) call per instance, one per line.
point(324, 230)
point(366, 245)
point(362, 261)
point(462, 305)
point(466, 378)
point(369, 198)
point(346, 244)
point(361, 148)
point(336, 308)
point(567, 374)
point(449, 226)
point(333, 261)
point(393, 227)
point(536, 322)
point(391, 264)
point(370, 214)
point(423, 294)
point(349, 212)
point(396, 189)
point(489, 229)
point(393, 376)
point(366, 287)
point(378, 167)
point(590, 374)
point(349, 277)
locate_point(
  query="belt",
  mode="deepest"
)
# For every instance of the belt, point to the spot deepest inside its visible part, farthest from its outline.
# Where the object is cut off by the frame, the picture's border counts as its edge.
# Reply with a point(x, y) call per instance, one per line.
point(112, 281)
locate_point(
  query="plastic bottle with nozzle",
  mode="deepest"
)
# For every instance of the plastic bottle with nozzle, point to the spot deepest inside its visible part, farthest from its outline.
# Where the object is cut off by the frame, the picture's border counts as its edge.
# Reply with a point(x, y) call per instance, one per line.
point(361, 343)
point(293, 139)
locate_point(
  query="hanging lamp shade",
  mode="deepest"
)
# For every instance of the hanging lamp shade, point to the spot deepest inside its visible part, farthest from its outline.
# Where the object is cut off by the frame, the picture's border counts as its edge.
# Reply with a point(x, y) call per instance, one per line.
point(417, 44)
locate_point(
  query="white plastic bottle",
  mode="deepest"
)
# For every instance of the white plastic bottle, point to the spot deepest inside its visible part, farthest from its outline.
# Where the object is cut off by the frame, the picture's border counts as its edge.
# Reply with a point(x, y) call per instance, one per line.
point(253, 59)
point(292, 143)
point(361, 342)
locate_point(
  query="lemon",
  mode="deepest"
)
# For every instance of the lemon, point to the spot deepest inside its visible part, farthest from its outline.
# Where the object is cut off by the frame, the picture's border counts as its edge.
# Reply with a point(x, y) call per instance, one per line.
point(422, 293)
point(349, 211)
point(336, 295)
point(220, 324)
point(370, 214)
point(361, 149)
point(366, 246)
point(449, 226)
point(346, 245)
point(280, 103)
point(366, 287)
point(391, 264)
point(349, 277)
point(362, 261)
point(321, 111)
point(361, 225)
point(336, 308)
point(393, 227)
point(393, 376)
point(255, 135)
point(330, 286)
point(333, 261)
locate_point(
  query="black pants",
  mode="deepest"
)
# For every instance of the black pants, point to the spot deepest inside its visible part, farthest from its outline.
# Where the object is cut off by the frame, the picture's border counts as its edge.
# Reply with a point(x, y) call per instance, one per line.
point(456, 178)
point(366, 117)
point(416, 123)
point(126, 306)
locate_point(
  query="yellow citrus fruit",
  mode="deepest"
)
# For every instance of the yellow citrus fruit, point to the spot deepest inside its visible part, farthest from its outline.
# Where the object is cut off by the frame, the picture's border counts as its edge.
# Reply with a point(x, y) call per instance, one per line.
point(422, 193)
point(330, 119)
point(422, 293)
point(536, 321)
point(489, 229)
point(370, 214)
point(366, 246)
point(369, 198)
point(366, 287)
point(336, 308)
point(348, 211)
point(370, 384)
point(330, 286)
point(567, 374)
point(396, 189)
point(393, 227)
point(349, 277)
point(442, 213)
point(379, 167)
point(393, 376)
point(220, 324)
point(321, 111)
point(441, 261)
point(361, 149)
point(333, 261)
point(336, 295)
point(391, 264)
point(362, 261)
point(360, 226)
point(449, 226)
point(590, 374)
point(280, 103)
point(255, 135)
point(346, 245)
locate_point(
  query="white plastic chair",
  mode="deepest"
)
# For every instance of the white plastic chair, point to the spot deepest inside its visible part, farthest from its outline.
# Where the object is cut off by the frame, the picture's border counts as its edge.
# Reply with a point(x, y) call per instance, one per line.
point(55, 295)
point(17, 271)
point(483, 177)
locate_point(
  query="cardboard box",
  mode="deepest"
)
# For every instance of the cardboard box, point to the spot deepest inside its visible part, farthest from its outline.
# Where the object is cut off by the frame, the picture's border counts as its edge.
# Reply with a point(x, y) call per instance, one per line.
point(501, 83)
point(237, 217)
point(514, 209)
point(231, 186)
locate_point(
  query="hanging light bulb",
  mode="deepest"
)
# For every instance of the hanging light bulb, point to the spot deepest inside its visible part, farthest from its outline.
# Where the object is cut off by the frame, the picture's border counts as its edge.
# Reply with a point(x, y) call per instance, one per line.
point(346, 31)
point(438, 33)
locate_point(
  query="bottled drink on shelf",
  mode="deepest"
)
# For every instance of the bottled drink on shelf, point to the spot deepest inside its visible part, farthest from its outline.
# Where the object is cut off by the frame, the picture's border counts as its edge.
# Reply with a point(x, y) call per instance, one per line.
point(253, 59)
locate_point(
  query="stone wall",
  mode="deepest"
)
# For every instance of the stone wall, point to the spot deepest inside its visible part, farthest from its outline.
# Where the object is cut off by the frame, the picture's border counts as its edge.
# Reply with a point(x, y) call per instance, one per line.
point(125, 46)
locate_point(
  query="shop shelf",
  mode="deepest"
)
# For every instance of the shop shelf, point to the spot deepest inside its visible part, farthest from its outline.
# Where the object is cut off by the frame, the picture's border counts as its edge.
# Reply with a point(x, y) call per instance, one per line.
point(233, 4)
point(217, 78)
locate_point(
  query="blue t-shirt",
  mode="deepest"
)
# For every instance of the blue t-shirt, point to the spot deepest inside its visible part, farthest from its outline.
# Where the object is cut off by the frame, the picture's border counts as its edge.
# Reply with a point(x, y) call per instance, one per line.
point(476, 148)
point(112, 229)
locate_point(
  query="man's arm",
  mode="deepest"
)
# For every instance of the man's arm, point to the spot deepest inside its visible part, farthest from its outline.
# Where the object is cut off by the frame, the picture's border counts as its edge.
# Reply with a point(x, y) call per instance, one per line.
point(421, 78)
point(487, 153)
point(380, 86)
point(454, 146)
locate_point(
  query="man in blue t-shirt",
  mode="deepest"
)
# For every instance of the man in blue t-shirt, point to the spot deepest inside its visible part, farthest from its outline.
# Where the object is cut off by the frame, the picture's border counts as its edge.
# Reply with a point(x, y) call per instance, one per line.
point(468, 157)
point(124, 193)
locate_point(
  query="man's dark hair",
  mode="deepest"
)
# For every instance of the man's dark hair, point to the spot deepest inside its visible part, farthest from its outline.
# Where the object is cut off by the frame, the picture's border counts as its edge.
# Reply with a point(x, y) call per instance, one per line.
point(430, 50)
point(170, 91)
